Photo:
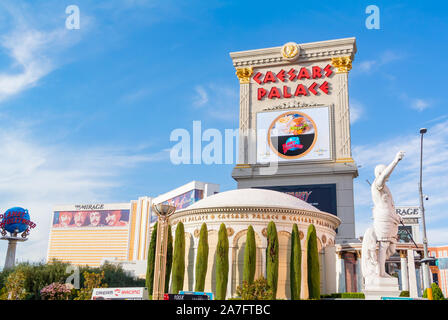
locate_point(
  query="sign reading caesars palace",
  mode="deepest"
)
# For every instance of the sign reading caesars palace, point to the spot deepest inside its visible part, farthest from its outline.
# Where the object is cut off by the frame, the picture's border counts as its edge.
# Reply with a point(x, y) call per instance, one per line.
point(294, 113)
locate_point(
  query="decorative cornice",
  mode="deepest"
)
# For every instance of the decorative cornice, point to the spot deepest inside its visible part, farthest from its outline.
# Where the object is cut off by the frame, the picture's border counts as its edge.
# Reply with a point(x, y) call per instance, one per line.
point(343, 64)
point(244, 74)
point(308, 52)
point(318, 218)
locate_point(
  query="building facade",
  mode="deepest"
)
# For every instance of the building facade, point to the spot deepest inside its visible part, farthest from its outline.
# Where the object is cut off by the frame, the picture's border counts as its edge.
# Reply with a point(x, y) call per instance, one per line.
point(90, 234)
point(440, 269)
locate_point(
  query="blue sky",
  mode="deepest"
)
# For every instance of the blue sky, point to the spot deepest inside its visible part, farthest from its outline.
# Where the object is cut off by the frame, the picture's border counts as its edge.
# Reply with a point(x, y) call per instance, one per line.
point(86, 115)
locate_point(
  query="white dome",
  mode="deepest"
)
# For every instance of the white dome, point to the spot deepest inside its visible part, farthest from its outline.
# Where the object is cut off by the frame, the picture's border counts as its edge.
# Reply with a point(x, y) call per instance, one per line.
point(261, 198)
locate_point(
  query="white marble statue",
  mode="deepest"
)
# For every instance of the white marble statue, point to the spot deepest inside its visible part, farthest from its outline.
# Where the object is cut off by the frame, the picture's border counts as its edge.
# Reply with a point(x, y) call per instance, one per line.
point(385, 225)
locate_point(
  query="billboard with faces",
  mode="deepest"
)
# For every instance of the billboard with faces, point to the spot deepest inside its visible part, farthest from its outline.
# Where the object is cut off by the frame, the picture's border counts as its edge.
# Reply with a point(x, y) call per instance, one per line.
point(294, 135)
point(91, 218)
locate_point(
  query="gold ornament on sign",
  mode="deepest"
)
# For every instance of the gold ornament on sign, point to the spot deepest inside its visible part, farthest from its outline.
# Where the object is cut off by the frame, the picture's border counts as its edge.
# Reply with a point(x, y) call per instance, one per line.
point(343, 64)
point(230, 232)
point(196, 233)
point(290, 51)
point(244, 74)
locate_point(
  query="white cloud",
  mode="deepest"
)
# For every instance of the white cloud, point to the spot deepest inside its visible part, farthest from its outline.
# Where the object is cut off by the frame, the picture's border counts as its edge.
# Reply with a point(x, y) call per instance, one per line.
point(366, 66)
point(356, 110)
point(33, 52)
point(218, 101)
point(37, 177)
point(369, 66)
point(420, 104)
point(437, 236)
point(201, 97)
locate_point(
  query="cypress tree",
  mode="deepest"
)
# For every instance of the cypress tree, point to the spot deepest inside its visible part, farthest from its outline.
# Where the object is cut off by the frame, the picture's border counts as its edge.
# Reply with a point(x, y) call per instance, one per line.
point(249, 256)
point(201, 259)
point(178, 272)
point(222, 263)
point(151, 260)
point(272, 258)
point(313, 264)
point(295, 264)
point(169, 259)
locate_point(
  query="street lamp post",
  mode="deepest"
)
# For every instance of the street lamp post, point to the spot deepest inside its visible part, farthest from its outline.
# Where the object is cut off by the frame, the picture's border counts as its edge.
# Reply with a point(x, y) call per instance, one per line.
point(426, 270)
point(163, 212)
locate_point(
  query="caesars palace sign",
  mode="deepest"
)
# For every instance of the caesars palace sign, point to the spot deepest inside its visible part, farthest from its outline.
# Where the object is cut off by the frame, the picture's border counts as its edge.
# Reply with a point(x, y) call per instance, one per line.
point(296, 99)
point(293, 75)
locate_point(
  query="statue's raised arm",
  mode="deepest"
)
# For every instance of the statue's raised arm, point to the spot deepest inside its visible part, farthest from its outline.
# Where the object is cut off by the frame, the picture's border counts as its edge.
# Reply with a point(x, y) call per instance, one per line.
point(382, 173)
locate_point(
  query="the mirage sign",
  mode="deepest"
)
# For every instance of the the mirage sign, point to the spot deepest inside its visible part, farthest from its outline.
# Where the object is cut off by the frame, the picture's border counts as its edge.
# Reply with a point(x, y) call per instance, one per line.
point(408, 211)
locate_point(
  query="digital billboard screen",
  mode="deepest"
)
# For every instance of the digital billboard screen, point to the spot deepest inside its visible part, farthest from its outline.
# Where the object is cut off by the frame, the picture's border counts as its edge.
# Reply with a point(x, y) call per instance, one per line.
point(321, 196)
point(186, 199)
point(182, 201)
point(294, 135)
point(91, 218)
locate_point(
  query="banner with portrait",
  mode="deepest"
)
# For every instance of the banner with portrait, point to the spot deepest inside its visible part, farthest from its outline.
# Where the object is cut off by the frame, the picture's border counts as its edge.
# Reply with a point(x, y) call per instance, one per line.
point(92, 218)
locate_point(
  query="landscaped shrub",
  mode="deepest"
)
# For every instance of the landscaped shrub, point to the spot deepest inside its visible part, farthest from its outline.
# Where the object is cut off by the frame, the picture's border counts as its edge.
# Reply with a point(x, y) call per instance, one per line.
point(201, 259)
point(258, 290)
point(344, 295)
point(437, 293)
point(56, 291)
point(91, 281)
point(178, 272)
point(404, 293)
point(272, 258)
point(249, 256)
point(296, 264)
point(151, 259)
point(39, 275)
point(222, 263)
point(169, 259)
point(313, 263)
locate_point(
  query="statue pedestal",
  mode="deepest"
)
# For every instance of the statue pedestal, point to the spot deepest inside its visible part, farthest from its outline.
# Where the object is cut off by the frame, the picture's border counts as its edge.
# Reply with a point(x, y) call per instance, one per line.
point(375, 288)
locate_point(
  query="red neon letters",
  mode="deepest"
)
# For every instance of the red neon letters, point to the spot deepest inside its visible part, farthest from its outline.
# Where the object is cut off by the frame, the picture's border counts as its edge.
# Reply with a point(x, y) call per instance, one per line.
point(284, 91)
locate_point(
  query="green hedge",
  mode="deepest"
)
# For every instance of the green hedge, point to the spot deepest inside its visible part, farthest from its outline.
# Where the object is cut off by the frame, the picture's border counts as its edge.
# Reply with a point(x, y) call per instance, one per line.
point(345, 295)
point(222, 263)
point(404, 293)
point(313, 263)
point(249, 256)
point(272, 258)
point(178, 272)
point(201, 259)
point(151, 259)
point(169, 259)
point(295, 264)
point(436, 292)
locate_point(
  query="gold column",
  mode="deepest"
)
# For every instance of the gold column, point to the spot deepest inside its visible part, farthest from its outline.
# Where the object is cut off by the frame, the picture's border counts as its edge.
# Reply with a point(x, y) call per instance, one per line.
point(244, 75)
point(342, 113)
point(163, 211)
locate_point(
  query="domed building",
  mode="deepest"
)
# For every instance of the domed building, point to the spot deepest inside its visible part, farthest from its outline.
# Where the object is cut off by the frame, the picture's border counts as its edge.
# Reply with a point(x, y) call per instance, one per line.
point(238, 209)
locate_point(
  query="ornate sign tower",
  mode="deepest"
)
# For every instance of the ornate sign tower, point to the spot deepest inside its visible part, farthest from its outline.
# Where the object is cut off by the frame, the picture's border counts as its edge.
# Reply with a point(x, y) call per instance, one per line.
point(294, 129)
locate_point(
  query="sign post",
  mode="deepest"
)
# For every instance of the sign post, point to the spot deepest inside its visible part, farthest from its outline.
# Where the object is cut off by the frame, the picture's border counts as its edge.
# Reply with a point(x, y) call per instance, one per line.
point(163, 211)
point(15, 220)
